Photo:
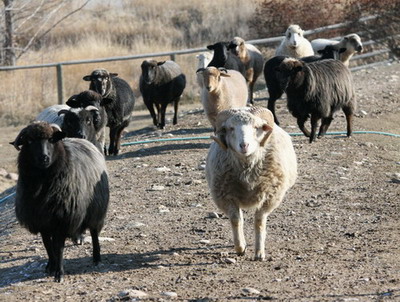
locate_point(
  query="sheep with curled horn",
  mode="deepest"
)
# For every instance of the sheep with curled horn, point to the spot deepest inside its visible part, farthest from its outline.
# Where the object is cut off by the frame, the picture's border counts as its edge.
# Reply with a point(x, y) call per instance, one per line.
point(251, 165)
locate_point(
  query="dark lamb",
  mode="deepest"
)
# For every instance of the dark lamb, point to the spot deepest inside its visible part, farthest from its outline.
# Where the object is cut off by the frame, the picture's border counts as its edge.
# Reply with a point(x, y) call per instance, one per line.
point(62, 190)
point(222, 57)
point(317, 89)
point(81, 123)
point(274, 89)
point(118, 100)
point(92, 98)
point(161, 83)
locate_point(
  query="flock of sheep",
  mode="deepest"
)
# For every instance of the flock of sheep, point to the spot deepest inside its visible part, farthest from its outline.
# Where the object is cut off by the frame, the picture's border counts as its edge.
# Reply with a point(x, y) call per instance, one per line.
point(63, 184)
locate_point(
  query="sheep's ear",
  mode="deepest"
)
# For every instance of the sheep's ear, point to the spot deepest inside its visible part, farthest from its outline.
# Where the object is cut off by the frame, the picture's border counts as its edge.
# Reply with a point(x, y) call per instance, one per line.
point(113, 75)
point(57, 136)
point(72, 101)
point(19, 140)
point(342, 50)
point(87, 78)
point(211, 47)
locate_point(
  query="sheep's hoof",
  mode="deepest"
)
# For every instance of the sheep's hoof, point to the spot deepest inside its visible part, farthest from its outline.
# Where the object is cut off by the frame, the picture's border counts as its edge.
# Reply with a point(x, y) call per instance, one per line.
point(59, 277)
point(241, 251)
point(259, 258)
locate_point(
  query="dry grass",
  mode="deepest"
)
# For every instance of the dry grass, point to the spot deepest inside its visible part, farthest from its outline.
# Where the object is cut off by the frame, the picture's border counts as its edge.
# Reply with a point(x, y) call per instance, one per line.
point(119, 28)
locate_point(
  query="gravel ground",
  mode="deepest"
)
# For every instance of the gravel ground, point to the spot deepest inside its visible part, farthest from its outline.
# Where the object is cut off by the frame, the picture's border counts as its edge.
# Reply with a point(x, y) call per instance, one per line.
point(335, 237)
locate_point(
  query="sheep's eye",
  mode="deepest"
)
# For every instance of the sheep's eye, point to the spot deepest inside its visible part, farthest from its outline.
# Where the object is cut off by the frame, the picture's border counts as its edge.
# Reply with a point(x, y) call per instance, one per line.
point(289, 35)
point(231, 129)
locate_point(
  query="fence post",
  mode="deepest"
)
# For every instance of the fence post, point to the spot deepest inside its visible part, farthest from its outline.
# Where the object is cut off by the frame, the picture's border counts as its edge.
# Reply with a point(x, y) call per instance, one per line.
point(60, 85)
point(172, 57)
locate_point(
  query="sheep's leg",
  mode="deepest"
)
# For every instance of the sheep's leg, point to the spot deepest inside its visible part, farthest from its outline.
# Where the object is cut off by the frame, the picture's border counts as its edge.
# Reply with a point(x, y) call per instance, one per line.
point(251, 89)
point(176, 105)
point(159, 115)
point(96, 246)
point(162, 118)
point(236, 219)
point(150, 107)
point(260, 222)
point(314, 125)
point(273, 96)
point(348, 111)
point(118, 135)
point(326, 122)
point(300, 122)
point(48, 244)
point(58, 247)
point(111, 147)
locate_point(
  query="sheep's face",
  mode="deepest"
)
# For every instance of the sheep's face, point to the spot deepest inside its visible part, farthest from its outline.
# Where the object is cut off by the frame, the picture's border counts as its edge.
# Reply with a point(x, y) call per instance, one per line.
point(38, 142)
point(353, 43)
point(80, 123)
point(212, 77)
point(294, 35)
point(220, 50)
point(149, 71)
point(287, 71)
point(236, 46)
point(244, 135)
point(100, 81)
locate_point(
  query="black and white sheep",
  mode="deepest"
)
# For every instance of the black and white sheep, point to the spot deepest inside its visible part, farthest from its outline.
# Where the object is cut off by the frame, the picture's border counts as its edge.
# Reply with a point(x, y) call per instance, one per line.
point(251, 165)
point(352, 43)
point(252, 59)
point(92, 98)
point(118, 100)
point(221, 89)
point(62, 190)
point(274, 89)
point(76, 122)
point(317, 89)
point(161, 83)
point(222, 57)
point(294, 44)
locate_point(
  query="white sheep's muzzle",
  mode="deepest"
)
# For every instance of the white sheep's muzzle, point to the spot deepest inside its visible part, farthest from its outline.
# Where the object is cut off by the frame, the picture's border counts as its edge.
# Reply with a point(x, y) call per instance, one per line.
point(244, 140)
point(294, 41)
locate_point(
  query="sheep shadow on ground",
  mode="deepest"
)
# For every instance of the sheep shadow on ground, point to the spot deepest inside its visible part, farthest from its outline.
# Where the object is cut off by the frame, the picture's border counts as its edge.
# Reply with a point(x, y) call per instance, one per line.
point(157, 150)
point(34, 268)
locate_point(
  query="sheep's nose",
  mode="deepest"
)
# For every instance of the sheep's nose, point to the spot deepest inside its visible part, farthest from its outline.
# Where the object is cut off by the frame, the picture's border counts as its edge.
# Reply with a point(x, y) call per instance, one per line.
point(208, 88)
point(359, 48)
point(45, 159)
point(244, 147)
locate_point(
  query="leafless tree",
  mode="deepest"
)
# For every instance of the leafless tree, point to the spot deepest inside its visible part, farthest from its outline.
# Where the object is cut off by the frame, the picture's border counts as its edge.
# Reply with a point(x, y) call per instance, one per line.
point(24, 23)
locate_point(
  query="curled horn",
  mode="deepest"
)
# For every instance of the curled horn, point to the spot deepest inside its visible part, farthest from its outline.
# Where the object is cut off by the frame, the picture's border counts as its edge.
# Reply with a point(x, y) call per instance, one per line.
point(62, 111)
point(266, 116)
point(219, 128)
point(200, 70)
point(91, 107)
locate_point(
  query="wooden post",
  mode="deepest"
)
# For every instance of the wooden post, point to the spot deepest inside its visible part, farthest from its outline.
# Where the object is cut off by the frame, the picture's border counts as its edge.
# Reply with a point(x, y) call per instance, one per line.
point(172, 57)
point(60, 85)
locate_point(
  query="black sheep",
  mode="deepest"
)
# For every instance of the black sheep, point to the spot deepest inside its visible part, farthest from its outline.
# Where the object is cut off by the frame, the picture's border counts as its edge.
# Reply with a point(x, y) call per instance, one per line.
point(62, 190)
point(274, 90)
point(222, 57)
point(92, 98)
point(118, 100)
point(317, 89)
point(161, 83)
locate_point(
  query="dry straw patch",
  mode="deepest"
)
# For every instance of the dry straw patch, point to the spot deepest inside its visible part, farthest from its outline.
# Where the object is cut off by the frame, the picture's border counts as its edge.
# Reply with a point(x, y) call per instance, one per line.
point(120, 28)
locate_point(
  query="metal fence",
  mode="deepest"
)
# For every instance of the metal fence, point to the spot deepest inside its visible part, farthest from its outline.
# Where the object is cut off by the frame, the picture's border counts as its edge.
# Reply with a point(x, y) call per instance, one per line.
point(173, 54)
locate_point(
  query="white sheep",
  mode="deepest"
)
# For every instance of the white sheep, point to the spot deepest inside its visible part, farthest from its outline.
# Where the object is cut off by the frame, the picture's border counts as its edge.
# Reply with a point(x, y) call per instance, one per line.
point(294, 44)
point(352, 44)
point(50, 114)
point(250, 165)
point(203, 59)
point(252, 59)
point(221, 89)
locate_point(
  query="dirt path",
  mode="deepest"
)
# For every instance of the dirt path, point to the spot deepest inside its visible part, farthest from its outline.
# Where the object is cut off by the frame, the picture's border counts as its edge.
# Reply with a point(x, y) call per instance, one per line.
point(334, 238)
